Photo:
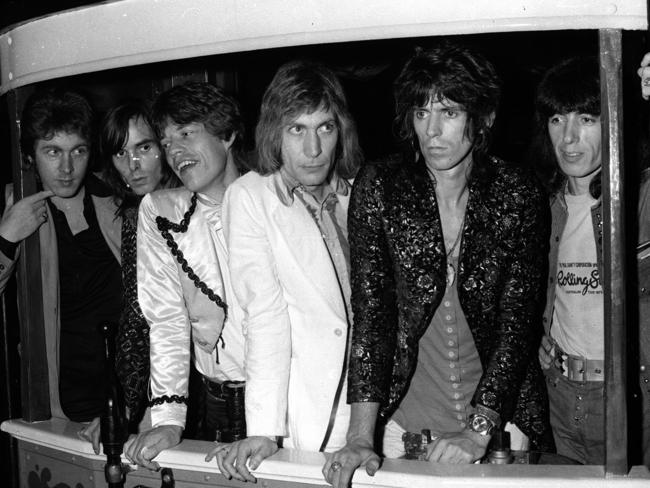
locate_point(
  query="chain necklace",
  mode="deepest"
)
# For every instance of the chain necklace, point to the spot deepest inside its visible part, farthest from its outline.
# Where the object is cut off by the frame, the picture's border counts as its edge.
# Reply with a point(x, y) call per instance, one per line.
point(451, 270)
point(164, 226)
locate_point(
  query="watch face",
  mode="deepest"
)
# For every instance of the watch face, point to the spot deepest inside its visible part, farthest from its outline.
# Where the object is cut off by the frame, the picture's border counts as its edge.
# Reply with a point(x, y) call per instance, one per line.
point(480, 424)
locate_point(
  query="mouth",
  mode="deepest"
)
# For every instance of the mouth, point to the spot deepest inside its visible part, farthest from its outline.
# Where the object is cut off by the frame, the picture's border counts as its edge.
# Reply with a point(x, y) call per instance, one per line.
point(184, 164)
point(571, 155)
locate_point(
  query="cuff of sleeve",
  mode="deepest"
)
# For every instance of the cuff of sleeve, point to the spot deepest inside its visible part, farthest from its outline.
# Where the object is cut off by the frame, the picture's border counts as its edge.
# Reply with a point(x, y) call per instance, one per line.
point(8, 248)
point(168, 414)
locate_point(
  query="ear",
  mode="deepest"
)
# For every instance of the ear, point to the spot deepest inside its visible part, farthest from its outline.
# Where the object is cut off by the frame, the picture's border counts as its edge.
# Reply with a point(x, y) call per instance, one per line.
point(227, 144)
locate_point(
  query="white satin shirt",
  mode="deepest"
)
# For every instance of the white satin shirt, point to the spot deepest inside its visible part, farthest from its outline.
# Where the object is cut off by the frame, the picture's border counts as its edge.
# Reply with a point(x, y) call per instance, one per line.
point(176, 310)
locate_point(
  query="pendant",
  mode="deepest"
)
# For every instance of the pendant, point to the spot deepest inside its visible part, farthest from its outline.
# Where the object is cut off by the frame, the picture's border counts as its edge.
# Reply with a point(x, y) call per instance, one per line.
point(451, 274)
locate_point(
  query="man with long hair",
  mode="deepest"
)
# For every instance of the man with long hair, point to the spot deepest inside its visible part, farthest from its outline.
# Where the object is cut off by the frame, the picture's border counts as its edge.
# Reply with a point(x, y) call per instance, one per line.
point(286, 228)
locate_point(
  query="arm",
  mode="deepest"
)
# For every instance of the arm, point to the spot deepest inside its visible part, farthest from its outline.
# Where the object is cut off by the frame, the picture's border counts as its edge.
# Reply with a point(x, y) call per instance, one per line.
point(267, 332)
point(373, 294)
point(359, 449)
point(19, 221)
point(266, 324)
point(516, 330)
point(163, 306)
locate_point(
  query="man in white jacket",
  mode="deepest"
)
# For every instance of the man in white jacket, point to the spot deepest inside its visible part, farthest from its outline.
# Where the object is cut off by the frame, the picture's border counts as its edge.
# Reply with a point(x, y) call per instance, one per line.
point(286, 231)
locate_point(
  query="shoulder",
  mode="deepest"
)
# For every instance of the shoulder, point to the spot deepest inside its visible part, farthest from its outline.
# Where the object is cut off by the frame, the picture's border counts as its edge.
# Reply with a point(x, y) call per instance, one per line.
point(170, 202)
point(507, 184)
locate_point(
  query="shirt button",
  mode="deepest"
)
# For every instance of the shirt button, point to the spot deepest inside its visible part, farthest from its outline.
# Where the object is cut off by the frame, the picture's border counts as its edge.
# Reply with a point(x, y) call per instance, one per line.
point(450, 330)
point(451, 354)
point(456, 396)
point(452, 365)
point(458, 406)
point(338, 332)
point(451, 343)
point(447, 317)
point(459, 416)
point(454, 385)
point(462, 424)
point(642, 368)
point(453, 378)
point(447, 303)
point(2, 266)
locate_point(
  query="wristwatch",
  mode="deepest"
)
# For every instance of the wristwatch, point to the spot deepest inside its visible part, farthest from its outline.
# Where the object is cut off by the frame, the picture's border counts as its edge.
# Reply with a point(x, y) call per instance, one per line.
point(481, 424)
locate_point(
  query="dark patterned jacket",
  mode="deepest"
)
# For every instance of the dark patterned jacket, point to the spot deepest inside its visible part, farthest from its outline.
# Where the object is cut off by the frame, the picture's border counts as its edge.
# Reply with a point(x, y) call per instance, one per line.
point(398, 281)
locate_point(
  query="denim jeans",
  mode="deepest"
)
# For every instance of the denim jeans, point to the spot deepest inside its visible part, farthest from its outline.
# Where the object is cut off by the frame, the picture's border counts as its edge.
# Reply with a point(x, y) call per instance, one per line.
point(577, 417)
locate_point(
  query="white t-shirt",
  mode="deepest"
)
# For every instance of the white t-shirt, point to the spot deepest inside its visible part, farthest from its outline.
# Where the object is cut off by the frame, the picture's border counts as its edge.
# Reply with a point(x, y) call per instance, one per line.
point(578, 310)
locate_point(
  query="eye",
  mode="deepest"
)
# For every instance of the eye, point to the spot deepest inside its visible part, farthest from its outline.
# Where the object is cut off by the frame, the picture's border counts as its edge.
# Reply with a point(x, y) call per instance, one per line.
point(80, 151)
point(587, 119)
point(145, 148)
point(53, 152)
point(555, 120)
point(296, 130)
point(451, 113)
point(121, 154)
point(421, 114)
point(328, 127)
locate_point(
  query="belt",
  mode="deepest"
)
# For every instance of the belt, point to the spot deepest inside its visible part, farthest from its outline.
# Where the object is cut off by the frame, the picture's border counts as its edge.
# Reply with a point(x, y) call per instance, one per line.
point(577, 368)
point(218, 389)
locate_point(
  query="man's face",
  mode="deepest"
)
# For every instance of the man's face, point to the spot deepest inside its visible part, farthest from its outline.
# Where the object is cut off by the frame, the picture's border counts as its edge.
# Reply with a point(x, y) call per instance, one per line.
point(441, 130)
point(198, 158)
point(62, 162)
point(576, 141)
point(309, 147)
point(139, 162)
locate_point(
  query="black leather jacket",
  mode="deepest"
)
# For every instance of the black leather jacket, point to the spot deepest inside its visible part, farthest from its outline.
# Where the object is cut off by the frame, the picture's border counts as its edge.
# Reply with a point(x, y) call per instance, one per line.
point(398, 280)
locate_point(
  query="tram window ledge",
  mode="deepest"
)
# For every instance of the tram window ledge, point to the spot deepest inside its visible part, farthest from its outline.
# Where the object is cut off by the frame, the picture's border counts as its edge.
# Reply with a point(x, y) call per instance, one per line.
point(54, 446)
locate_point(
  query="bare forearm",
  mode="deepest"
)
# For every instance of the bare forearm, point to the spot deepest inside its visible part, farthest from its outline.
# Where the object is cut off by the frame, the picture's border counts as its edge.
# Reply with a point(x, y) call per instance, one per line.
point(363, 417)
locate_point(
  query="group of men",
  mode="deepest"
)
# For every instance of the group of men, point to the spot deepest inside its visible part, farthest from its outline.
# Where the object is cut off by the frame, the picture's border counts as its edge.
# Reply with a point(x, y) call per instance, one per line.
point(250, 276)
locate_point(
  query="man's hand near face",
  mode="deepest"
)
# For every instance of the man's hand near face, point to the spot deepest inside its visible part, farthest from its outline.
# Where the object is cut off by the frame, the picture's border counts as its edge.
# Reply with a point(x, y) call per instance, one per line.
point(23, 218)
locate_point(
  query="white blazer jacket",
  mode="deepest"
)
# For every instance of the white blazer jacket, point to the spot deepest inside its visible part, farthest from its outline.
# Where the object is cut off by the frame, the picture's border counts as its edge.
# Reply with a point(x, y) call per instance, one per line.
point(295, 321)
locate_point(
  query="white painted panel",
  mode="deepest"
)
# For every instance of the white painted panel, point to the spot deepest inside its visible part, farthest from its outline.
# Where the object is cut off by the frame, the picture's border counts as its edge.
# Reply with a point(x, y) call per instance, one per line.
point(133, 32)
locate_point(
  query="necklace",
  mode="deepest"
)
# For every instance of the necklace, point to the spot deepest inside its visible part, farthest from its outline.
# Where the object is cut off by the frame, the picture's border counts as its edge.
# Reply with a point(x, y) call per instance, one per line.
point(451, 270)
point(164, 226)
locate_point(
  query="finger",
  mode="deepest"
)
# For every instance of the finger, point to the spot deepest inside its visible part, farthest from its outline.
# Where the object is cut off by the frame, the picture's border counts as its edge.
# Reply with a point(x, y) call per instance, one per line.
point(229, 464)
point(39, 196)
point(218, 448)
point(145, 458)
point(344, 476)
point(436, 450)
point(95, 441)
point(220, 457)
point(646, 60)
point(242, 469)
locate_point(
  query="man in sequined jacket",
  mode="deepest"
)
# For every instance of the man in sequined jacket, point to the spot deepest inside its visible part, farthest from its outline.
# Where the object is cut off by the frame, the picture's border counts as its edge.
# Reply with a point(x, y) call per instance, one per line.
point(448, 256)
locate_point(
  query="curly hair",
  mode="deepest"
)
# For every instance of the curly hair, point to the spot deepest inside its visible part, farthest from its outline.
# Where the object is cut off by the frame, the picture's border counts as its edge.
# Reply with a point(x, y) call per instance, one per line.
point(447, 72)
point(51, 110)
point(207, 104)
point(301, 87)
point(573, 85)
point(113, 135)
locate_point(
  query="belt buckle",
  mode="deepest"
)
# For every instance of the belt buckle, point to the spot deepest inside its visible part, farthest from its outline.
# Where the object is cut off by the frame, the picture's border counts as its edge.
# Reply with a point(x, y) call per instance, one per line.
point(575, 368)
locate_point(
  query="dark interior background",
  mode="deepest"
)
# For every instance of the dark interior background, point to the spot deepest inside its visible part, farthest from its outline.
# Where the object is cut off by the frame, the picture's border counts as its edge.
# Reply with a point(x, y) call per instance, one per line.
point(367, 70)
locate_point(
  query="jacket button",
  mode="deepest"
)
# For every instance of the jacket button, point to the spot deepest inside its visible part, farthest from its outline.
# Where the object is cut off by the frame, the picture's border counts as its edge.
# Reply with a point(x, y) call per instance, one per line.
point(642, 368)
point(338, 332)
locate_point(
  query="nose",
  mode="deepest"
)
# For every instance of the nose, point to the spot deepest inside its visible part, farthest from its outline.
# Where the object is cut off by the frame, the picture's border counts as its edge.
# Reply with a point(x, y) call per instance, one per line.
point(433, 125)
point(312, 145)
point(67, 164)
point(570, 131)
point(134, 161)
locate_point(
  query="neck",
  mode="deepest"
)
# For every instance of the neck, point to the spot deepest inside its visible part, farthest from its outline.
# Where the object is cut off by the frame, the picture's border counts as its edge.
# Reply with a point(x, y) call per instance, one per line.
point(580, 185)
point(451, 185)
point(230, 174)
point(70, 204)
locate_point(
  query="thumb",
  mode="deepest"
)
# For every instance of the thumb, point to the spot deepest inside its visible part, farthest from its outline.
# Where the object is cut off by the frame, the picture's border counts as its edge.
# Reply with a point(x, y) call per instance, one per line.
point(256, 460)
point(372, 466)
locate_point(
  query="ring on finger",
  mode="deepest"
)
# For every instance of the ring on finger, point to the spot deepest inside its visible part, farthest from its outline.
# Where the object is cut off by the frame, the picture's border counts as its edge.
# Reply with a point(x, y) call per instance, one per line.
point(335, 466)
